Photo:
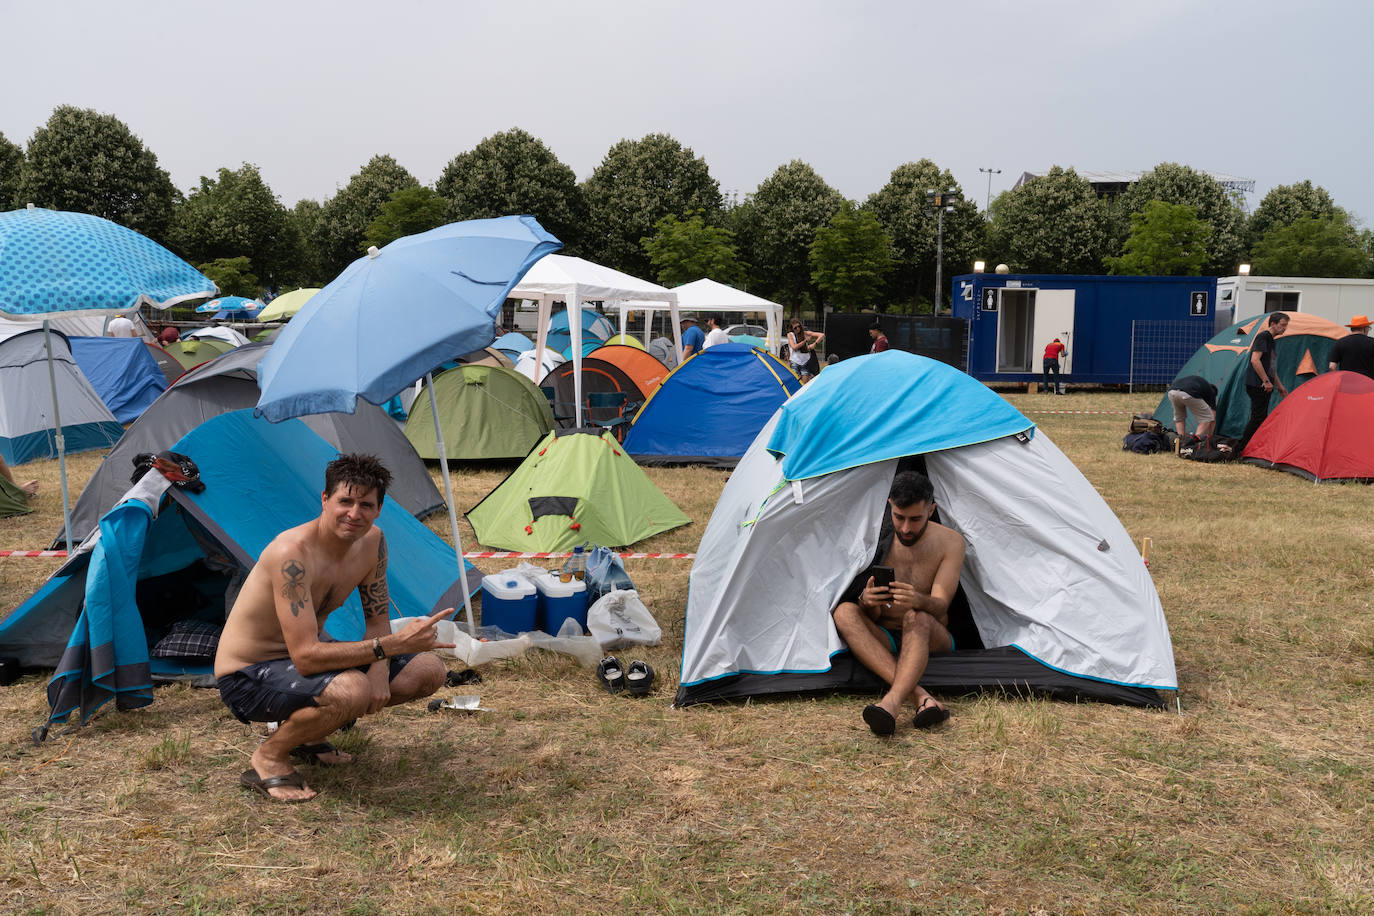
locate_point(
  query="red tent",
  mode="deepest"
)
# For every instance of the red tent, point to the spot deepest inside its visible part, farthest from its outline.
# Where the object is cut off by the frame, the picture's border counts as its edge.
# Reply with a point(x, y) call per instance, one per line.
point(1323, 430)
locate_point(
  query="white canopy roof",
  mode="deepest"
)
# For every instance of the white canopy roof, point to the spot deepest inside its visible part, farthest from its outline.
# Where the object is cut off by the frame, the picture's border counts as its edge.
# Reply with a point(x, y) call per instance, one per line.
point(563, 278)
point(707, 295)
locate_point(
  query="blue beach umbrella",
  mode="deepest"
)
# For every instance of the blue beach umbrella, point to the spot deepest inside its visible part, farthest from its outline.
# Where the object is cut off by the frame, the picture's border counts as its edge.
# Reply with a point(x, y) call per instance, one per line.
point(393, 315)
point(232, 308)
point(57, 263)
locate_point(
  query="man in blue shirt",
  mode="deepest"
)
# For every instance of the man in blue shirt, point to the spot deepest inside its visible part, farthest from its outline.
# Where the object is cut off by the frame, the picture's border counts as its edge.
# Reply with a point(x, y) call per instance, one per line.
point(693, 337)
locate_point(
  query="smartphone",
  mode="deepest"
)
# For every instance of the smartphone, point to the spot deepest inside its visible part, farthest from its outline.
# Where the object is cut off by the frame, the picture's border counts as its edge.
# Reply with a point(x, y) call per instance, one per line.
point(882, 576)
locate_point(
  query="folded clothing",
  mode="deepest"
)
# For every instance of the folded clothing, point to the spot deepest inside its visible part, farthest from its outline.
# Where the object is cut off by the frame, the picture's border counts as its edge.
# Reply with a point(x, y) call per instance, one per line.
point(189, 639)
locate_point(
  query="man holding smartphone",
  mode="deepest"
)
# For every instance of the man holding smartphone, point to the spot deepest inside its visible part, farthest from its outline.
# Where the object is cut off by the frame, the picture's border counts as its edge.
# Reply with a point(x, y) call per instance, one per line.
point(893, 628)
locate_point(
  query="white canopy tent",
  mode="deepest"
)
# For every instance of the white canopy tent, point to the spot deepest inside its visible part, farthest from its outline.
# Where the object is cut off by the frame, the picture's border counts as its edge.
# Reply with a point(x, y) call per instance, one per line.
point(706, 295)
point(562, 278)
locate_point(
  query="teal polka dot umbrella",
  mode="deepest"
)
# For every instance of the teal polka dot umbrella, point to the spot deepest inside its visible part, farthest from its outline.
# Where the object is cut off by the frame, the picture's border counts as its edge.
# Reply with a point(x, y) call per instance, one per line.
point(53, 263)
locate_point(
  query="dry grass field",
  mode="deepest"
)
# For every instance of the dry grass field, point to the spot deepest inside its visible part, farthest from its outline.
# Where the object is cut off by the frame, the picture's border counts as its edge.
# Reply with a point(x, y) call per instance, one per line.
point(1257, 798)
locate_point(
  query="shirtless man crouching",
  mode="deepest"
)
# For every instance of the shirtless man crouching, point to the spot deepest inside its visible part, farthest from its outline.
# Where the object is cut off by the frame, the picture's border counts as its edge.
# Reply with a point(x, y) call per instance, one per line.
point(273, 664)
point(892, 630)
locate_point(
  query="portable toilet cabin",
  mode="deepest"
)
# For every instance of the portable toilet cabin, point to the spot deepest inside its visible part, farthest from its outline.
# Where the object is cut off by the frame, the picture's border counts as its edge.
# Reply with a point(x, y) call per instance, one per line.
point(1117, 330)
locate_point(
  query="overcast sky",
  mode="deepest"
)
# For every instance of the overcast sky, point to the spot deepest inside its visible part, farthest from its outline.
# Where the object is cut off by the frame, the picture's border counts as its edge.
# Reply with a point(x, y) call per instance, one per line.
point(309, 91)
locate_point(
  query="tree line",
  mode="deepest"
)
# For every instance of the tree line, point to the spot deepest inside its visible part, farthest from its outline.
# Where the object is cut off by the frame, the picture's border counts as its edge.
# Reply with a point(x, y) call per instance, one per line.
point(651, 208)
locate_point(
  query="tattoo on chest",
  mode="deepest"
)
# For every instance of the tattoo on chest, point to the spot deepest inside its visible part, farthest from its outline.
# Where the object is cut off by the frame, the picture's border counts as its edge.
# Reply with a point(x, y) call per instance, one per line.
point(293, 587)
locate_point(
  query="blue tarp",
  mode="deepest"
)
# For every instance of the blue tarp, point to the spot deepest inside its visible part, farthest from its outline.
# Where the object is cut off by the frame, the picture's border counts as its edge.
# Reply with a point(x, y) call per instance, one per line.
point(122, 371)
point(260, 480)
point(886, 405)
point(711, 407)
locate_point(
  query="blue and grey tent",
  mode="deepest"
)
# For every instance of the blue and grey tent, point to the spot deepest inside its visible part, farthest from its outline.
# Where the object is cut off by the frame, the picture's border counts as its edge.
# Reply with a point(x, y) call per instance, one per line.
point(709, 409)
point(122, 371)
point(165, 563)
point(28, 430)
point(1053, 598)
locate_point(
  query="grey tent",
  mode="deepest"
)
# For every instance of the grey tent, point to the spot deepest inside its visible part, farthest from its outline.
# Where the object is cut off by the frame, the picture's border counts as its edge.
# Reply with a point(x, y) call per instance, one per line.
point(230, 382)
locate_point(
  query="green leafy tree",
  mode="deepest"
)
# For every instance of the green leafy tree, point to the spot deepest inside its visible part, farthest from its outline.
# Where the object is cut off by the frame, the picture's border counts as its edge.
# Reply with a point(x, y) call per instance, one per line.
point(11, 162)
point(1312, 246)
point(683, 250)
point(637, 184)
point(900, 206)
point(90, 162)
point(233, 276)
point(777, 225)
point(1166, 240)
point(1054, 223)
point(1285, 204)
point(341, 233)
point(306, 217)
point(851, 258)
point(410, 210)
point(514, 172)
point(233, 214)
point(1214, 205)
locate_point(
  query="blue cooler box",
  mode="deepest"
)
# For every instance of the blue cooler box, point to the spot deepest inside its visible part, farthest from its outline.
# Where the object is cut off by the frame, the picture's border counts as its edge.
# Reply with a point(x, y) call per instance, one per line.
point(559, 601)
point(509, 601)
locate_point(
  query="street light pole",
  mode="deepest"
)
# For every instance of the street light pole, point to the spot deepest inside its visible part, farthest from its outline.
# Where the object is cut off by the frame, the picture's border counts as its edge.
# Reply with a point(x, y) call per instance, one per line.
point(987, 207)
point(937, 202)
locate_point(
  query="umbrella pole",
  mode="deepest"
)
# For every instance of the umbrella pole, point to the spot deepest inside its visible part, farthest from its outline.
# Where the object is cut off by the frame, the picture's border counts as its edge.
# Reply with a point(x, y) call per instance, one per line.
point(448, 498)
point(60, 441)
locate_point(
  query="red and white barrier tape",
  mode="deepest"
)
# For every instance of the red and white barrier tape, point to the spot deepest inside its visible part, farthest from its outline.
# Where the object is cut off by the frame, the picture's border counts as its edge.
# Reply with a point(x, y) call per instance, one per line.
point(33, 553)
point(513, 555)
point(1125, 413)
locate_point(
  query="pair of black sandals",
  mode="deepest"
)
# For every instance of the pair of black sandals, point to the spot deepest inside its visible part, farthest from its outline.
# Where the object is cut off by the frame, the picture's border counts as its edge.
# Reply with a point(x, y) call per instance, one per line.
point(636, 680)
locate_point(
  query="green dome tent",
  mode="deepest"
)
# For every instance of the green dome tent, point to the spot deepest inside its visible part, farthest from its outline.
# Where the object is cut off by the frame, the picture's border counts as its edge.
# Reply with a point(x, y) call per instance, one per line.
point(577, 486)
point(486, 412)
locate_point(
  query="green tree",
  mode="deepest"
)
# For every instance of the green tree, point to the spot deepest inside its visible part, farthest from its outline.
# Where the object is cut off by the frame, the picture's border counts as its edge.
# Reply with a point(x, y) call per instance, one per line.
point(341, 233)
point(1054, 223)
point(683, 250)
point(514, 172)
point(90, 162)
point(11, 162)
point(1312, 246)
point(1166, 240)
point(1214, 205)
point(851, 258)
point(236, 214)
point(1285, 204)
point(306, 217)
point(410, 210)
point(637, 184)
point(233, 276)
point(777, 225)
point(900, 206)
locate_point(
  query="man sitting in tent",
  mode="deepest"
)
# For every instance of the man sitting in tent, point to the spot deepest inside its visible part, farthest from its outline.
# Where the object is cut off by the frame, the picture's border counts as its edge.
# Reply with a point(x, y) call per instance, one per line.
point(892, 629)
point(273, 665)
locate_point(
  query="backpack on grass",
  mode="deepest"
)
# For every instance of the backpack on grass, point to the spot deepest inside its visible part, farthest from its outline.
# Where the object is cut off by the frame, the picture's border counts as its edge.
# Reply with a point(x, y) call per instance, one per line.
point(1146, 436)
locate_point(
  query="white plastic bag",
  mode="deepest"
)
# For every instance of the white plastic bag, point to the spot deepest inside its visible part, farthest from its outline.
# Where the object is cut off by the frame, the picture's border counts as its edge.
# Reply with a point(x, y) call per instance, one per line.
point(619, 619)
point(570, 641)
point(472, 652)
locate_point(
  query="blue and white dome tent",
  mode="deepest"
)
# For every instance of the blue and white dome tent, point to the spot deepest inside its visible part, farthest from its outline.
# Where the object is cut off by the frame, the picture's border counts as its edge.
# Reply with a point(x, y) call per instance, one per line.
point(1054, 597)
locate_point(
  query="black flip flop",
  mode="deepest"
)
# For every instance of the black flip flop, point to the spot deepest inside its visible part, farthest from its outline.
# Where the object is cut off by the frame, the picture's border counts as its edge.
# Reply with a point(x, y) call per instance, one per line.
point(880, 720)
point(929, 715)
point(251, 780)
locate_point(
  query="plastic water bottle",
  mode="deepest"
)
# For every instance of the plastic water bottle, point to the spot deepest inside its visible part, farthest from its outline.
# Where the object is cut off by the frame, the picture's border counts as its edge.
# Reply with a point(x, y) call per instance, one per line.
point(576, 564)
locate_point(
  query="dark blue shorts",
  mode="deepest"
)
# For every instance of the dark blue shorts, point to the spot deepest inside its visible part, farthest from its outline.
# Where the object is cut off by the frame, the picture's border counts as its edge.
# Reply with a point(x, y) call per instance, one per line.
point(271, 691)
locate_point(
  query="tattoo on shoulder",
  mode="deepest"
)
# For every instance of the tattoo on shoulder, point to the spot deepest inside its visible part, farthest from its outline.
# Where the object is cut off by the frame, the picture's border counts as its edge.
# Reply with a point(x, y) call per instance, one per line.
point(294, 588)
point(381, 556)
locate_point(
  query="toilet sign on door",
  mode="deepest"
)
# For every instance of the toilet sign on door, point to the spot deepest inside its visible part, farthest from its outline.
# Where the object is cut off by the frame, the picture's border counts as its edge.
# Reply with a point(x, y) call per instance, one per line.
point(1198, 303)
point(989, 300)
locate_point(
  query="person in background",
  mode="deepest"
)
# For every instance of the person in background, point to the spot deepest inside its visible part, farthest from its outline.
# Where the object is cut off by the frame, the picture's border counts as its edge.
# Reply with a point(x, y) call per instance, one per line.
point(1260, 378)
point(875, 332)
point(1355, 351)
point(693, 338)
point(801, 348)
point(1053, 354)
point(119, 326)
point(716, 334)
point(1194, 393)
point(168, 335)
point(30, 487)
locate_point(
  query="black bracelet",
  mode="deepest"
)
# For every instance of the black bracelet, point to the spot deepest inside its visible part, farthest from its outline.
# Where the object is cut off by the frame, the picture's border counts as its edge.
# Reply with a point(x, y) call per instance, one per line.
point(377, 649)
